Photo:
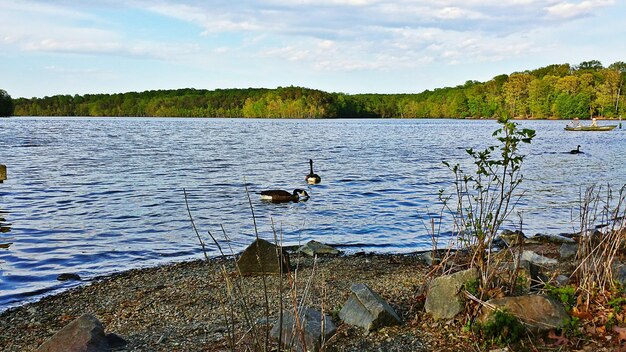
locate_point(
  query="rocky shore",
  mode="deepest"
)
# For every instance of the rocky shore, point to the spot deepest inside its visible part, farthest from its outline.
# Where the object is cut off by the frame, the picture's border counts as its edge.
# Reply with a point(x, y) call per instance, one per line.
point(197, 306)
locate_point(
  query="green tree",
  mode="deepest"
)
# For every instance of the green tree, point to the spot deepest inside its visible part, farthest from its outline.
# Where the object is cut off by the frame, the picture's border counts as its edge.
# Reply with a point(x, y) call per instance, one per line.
point(6, 104)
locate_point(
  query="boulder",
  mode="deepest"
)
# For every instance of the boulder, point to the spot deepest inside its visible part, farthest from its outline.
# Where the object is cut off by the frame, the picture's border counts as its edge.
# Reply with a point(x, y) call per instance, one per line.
point(429, 258)
point(84, 334)
point(68, 277)
point(527, 277)
point(537, 312)
point(313, 329)
point(313, 248)
point(261, 258)
point(619, 273)
point(512, 238)
point(546, 238)
point(561, 280)
point(538, 259)
point(366, 309)
point(443, 300)
point(568, 250)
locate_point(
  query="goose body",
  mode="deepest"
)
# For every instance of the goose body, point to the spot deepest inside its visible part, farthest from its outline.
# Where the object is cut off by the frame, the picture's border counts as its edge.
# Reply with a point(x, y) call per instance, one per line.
point(280, 196)
point(312, 178)
point(576, 151)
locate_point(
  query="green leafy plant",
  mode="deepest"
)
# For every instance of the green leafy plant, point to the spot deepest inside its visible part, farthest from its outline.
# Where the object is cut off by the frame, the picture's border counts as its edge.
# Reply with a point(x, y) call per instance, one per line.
point(501, 329)
point(617, 303)
point(565, 294)
point(485, 198)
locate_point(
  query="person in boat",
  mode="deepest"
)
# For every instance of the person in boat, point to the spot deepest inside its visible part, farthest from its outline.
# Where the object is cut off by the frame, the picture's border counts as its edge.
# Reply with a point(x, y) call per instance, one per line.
point(574, 123)
point(594, 122)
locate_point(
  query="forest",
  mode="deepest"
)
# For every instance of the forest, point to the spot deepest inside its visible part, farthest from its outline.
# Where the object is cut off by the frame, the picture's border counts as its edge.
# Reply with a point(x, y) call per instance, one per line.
point(560, 91)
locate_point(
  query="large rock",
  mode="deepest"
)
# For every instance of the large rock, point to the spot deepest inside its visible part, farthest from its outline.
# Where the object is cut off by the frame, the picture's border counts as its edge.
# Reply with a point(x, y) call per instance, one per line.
point(512, 238)
point(314, 330)
point(538, 259)
point(537, 312)
point(365, 308)
point(443, 300)
point(619, 273)
point(261, 257)
point(568, 250)
point(557, 239)
point(313, 248)
point(84, 334)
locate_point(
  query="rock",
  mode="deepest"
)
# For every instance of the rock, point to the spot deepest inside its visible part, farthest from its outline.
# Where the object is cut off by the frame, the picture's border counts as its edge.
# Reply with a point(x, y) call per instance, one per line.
point(561, 280)
point(619, 273)
point(367, 309)
point(313, 248)
point(528, 277)
point(443, 300)
point(68, 277)
point(261, 257)
point(84, 334)
point(568, 250)
point(537, 312)
point(541, 238)
point(512, 238)
point(537, 259)
point(428, 258)
point(315, 333)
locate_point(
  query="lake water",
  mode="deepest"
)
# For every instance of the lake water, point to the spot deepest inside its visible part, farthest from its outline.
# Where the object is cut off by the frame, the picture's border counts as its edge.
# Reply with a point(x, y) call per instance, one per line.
point(94, 196)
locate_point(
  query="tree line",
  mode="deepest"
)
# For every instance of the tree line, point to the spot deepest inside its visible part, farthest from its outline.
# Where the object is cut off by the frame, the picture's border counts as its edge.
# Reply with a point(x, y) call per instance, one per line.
point(556, 91)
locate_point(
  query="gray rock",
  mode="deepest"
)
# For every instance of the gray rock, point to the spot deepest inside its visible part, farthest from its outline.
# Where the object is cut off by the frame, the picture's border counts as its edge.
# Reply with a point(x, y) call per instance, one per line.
point(84, 334)
point(68, 277)
point(428, 258)
point(537, 312)
point(537, 259)
point(261, 257)
point(561, 280)
point(443, 300)
point(314, 331)
point(619, 273)
point(512, 238)
point(527, 277)
point(543, 238)
point(313, 248)
point(568, 250)
point(367, 309)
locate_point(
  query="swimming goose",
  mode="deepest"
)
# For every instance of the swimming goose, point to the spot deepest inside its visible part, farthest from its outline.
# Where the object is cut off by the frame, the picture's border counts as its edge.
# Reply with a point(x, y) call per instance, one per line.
point(576, 151)
point(280, 196)
point(312, 178)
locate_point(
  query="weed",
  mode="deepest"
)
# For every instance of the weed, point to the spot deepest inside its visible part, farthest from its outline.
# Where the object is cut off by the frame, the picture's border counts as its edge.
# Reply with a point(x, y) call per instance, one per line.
point(501, 329)
point(486, 198)
point(565, 294)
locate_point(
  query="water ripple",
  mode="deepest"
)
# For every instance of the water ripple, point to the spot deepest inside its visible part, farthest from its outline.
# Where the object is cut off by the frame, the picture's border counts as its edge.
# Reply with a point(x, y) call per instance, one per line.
point(96, 196)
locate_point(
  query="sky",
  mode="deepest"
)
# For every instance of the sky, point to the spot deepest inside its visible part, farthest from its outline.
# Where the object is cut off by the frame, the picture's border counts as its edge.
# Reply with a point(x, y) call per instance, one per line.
point(352, 46)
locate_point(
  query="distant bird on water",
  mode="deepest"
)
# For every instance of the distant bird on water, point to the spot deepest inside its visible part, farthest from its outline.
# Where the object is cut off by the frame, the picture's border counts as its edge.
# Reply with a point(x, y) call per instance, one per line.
point(312, 178)
point(576, 151)
point(280, 196)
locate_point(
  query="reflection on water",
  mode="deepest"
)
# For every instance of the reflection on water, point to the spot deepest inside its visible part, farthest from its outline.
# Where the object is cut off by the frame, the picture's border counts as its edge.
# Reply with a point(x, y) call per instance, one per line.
point(95, 196)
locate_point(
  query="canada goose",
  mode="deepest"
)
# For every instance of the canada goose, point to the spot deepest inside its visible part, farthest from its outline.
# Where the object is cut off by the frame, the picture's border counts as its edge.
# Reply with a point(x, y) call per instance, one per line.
point(576, 151)
point(280, 196)
point(312, 178)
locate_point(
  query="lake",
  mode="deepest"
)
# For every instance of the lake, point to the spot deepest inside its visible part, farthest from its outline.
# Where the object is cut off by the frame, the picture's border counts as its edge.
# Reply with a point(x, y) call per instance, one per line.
point(95, 196)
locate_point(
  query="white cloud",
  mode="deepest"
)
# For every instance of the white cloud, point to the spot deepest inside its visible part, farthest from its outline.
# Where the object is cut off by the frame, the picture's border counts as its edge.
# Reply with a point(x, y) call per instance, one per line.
point(569, 10)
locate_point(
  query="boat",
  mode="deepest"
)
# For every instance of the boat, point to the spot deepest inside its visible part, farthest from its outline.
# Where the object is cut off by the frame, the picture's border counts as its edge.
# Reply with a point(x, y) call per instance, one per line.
point(590, 128)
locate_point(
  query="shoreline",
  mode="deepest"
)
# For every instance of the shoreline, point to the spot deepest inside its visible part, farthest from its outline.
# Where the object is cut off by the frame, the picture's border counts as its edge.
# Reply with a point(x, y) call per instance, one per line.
point(183, 306)
point(177, 306)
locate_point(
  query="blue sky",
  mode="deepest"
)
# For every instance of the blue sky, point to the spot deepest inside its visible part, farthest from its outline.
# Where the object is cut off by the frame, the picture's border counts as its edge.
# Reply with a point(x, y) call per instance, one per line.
point(353, 46)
